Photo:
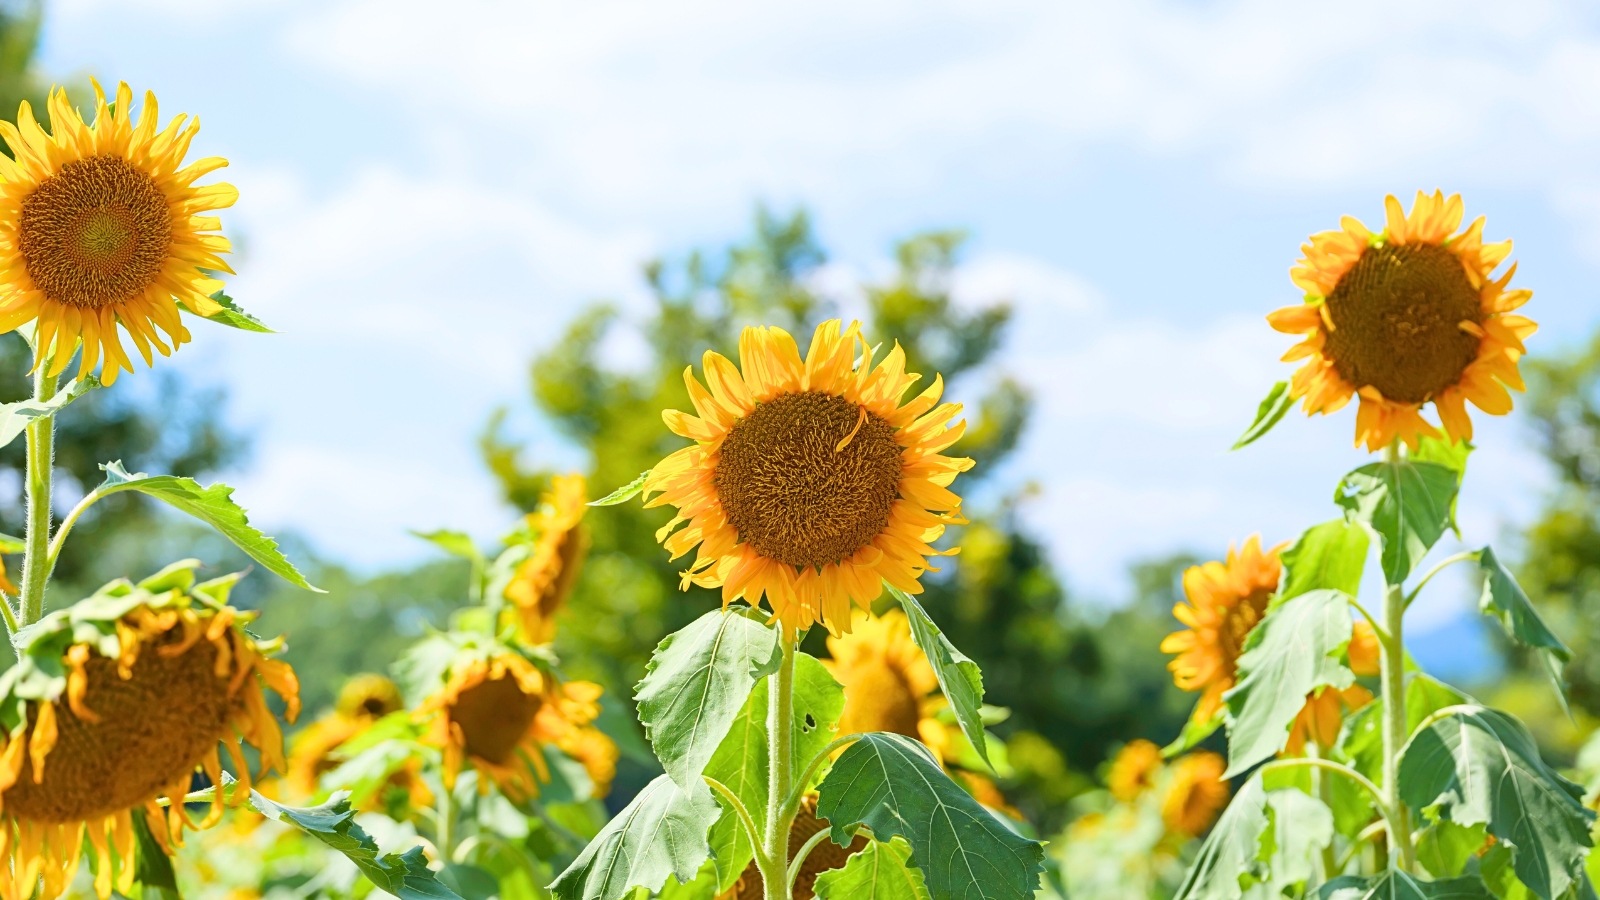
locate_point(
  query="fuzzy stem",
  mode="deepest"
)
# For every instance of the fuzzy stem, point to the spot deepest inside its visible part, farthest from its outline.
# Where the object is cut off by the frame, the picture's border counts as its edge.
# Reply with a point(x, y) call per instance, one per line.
point(41, 460)
point(1394, 726)
point(780, 774)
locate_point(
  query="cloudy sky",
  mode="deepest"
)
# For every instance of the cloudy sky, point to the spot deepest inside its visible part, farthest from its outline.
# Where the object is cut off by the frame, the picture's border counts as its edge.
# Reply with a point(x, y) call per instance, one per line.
point(429, 190)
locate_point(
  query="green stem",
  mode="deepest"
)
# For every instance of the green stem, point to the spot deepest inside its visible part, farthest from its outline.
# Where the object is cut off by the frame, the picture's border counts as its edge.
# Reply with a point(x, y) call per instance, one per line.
point(443, 827)
point(755, 834)
point(1443, 564)
point(1394, 725)
point(41, 460)
point(780, 774)
point(797, 793)
point(800, 858)
point(1324, 792)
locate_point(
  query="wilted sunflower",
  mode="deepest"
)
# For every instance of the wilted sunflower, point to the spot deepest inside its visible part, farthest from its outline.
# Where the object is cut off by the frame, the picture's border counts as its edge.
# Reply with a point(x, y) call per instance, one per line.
point(100, 226)
point(363, 700)
point(496, 712)
point(1135, 770)
point(1405, 317)
point(824, 856)
point(1226, 600)
point(808, 482)
point(157, 676)
point(544, 580)
point(1320, 719)
point(1195, 794)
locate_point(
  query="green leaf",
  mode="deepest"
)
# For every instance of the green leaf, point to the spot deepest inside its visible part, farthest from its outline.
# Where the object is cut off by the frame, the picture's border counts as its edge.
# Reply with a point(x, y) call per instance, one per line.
point(703, 887)
point(879, 872)
point(893, 785)
point(623, 494)
point(1292, 652)
point(959, 677)
point(231, 315)
point(405, 875)
point(1397, 885)
point(152, 866)
point(1268, 414)
point(1408, 504)
point(213, 505)
point(1194, 731)
point(1481, 766)
point(1445, 847)
point(1361, 740)
point(14, 417)
point(661, 833)
point(696, 682)
point(1299, 825)
point(470, 882)
point(1504, 599)
point(1230, 850)
point(1331, 555)
point(455, 543)
point(9, 544)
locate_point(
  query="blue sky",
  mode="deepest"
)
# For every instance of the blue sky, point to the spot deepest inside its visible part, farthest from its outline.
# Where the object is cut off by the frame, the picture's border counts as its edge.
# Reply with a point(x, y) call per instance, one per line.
point(429, 191)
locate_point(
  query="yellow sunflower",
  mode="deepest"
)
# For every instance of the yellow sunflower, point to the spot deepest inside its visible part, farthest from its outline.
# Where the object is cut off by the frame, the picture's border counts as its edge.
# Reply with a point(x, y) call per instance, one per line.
point(1135, 770)
point(1195, 794)
point(886, 678)
point(809, 483)
point(1322, 716)
point(100, 226)
point(363, 700)
point(1225, 601)
point(151, 689)
point(1405, 317)
point(498, 711)
point(823, 857)
point(544, 580)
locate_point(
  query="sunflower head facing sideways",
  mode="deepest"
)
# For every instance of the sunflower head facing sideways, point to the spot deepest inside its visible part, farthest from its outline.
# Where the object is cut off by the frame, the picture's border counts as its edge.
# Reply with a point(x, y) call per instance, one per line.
point(101, 229)
point(1134, 770)
point(544, 580)
point(363, 700)
point(1405, 317)
point(1225, 601)
point(1195, 794)
point(809, 482)
point(886, 677)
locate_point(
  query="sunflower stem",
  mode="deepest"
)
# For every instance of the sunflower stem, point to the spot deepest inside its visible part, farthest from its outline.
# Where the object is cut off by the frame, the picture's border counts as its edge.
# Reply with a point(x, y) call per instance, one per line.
point(443, 830)
point(41, 435)
point(780, 774)
point(1394, 727)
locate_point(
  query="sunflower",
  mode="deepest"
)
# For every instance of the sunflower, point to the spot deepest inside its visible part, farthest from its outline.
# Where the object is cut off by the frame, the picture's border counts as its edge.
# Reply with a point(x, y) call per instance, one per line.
point(823, 857)
point(809, 482)
point(1406, 317)
point(1135, 770)
point(155, 681)
point(1226, 600)
point(363, 700)
point(1320, 719)
point(887, 680)
point(1195, 794)
point(497, 710)
point(544, 580)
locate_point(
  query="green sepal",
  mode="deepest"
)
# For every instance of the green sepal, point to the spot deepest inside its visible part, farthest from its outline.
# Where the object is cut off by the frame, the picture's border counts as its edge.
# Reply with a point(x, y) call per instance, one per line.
point(230, 315)
point(1269, 413)
point(959, 677)
point(623, 494)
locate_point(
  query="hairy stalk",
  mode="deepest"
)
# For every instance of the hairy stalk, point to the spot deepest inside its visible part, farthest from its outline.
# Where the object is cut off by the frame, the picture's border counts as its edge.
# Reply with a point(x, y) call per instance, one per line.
point(41, 460)
point(1320, 789)
point(780, 774)
point(1394, 727)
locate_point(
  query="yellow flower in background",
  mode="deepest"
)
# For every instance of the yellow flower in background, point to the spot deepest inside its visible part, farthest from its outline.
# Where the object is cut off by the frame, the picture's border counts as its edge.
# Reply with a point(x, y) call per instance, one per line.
point(1323, 715)
point(1225, 601)
point(100, 227)
point(809, 483)
point(127, 731)
point(1195, 794)
point(1134, 770)
point(545, 579)
point(885, 675)
point(1406, 317)
point(363, 700)
point(825, 856)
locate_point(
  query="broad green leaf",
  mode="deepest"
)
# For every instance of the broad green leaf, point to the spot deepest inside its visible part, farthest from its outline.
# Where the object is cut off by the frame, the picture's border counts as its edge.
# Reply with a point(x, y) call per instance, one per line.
point(213, 505)
point(740, 762)
point(1269, 413)
point(893, 785)
point(231, 315)
point(1331, 555)
point(1408, 504)
point(703, 887)
point(1292, 652)
point(455, 543)
point(623, 494)
point(1504, 599)
point(152, 866)
point(405, 875)
point(15, 417)
point(469, 882)
point(661, 834)
point(1361, 740)
point(959, 677)
point(1299, 826)
point(879, 872)
point(1194, 731)
point(1227, 862)
point(696, 682)
point(1445, 847)
point(1481, 766)
point(1397, 885)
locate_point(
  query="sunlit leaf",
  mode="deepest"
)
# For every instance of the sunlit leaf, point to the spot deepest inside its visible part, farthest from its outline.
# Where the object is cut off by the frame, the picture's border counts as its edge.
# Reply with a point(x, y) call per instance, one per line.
point(1504, 599)
point(893, 785)
point(1397, 885)
point(1227, 862)
point(9, 544)
point(405, 875)
point(1407, 504)
point(1361, 740)
point(455, 543)
point(623, 494)
point(1299, 826)
point(879, 872)
point(1194, 731)
point(661, 834)
point(959, 677)
point(1331, 555)
point(231, 315)
point(15, 417)
point(1445, 847)
point(1269, 413)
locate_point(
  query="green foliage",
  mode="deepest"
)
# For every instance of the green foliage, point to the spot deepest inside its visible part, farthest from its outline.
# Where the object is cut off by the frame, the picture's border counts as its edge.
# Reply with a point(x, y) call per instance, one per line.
point(1408, 504)
point(1395, 885)
point(661, 833)
point(1299, 826)
point(959, 677)
point(625, 493)
point(15, 417)
point(1446, 847)
point(232, 315)
point(1331, 555)
point(1504, 599)
point(1268, 414)
point(879, 872)
point(405, 875)
point(1226, 863)
point(894, 786)
point(1361, 741)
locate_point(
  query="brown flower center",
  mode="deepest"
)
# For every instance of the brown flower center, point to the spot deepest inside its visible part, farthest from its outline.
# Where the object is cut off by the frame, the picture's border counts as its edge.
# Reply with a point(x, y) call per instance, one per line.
point(96, 233)
point(1397, 316)
point(494, 716)
point(797, 497)
point(153, 728)
point(1237, 624)
point(825, 856)
point(877, 698)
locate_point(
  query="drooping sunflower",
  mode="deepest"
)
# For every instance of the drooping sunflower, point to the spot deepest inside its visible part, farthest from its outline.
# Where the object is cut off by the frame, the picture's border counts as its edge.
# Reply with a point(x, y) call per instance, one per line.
point(497, 710)
point(1225, 601)
point(157, 676)
point(1136, 768)
point(1195, 793)
point(823, 857)
point(545, 579)
point(101, 227)
point(809, 483)
point(363, 700)
point(1405, 317)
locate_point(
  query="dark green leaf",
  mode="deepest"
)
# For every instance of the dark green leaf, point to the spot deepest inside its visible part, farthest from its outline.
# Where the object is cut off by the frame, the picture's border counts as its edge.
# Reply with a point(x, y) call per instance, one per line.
point(406, 875)
point(1331, 555)
point(1397, 885)
point(1361, 740)
point(1230, 850)
point(959, 677)
point(661, 834)
point(213, 505)
point(1268, 414)
point(1408, 504)
point(153, 867)
point(1445, 847)
point(470, 882)
point(231, 315)
point(696, 683)
point(1293, 651)
point(14, 417)
point(623, 494)
point(879, 872)
point(893, 785)
point(1504, 599)
point(1481, 766)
